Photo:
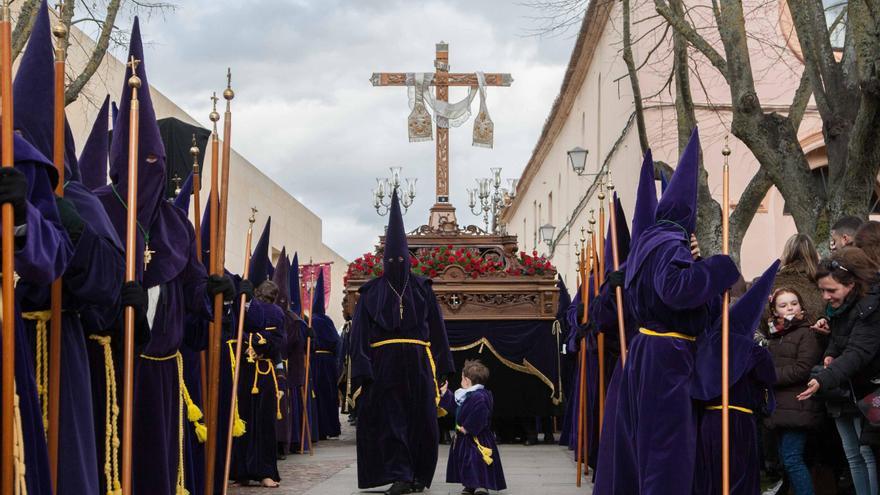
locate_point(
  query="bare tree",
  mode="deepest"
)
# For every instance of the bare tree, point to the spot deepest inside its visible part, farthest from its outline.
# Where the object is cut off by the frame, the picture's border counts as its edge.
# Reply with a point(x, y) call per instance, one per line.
point(82, 13)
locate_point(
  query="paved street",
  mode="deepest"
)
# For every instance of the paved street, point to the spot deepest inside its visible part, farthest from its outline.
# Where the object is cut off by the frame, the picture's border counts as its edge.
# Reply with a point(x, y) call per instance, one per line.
point(540, 469)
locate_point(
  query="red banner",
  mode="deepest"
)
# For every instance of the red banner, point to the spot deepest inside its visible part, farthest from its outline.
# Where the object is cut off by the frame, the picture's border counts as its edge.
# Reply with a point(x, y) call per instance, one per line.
point(309, 277)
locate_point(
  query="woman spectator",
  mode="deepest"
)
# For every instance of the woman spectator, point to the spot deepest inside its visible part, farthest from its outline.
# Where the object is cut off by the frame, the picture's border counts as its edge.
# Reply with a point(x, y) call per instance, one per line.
point(795, 350)
point(799, 263)
point(848, 281)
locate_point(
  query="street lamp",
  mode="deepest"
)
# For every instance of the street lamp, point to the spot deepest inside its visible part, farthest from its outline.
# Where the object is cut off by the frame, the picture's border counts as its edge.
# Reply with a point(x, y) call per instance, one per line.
point(385, 187)
point(577, 158)
point(547, 231)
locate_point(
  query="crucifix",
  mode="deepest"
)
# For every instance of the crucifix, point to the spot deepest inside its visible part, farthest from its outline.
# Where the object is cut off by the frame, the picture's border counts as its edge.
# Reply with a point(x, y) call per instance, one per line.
point(442, 213)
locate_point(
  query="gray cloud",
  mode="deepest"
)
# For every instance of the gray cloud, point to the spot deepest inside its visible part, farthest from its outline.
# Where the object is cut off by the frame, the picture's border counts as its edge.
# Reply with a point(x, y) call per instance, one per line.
point(307, 116)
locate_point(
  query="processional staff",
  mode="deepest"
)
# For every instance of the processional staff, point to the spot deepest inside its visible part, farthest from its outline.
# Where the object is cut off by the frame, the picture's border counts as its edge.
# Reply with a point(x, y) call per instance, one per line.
point(238, 339)
point(618, 291)
point(725, 330)
point(134, 82)
point(600, 336)
point(306, 426)
point(59, 30)
point(8, 261)
point(583, 439)
point(197, 223)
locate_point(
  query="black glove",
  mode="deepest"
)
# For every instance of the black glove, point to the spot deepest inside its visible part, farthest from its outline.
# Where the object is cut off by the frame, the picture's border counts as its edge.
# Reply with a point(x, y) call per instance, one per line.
point(580, 314)
point(13, 189)
point(133, 294)
point(617, 278)
point(246, 288)
point(310, 333)
point(70, 218)
point(220, 284)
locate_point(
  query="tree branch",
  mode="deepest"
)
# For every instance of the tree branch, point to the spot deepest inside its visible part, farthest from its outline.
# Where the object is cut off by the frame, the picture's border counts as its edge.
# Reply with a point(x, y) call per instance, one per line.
point(634, 78)
point(748, 204)
point(687, 30)
point(23, 26)
point(97, 56)
point(801, 99)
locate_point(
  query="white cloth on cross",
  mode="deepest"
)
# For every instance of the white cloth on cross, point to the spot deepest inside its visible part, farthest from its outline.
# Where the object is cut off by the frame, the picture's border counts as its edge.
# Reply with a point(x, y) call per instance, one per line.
point(418, 88)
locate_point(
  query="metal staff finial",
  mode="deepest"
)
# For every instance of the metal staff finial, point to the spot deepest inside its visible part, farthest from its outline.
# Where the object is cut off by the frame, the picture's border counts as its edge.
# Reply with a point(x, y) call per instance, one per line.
point(228, 93)
point(253, 217)
point(601, 194)
point(194, 151)
point(214, 116)
point(726, 150)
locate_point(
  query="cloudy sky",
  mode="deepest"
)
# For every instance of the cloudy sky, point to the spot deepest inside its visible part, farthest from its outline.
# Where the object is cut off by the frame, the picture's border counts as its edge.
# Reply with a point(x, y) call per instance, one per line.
point(306, 114)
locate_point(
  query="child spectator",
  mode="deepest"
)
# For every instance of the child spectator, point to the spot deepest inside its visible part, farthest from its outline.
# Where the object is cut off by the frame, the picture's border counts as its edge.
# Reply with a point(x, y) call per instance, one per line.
point(474, 460)
point(795, 350)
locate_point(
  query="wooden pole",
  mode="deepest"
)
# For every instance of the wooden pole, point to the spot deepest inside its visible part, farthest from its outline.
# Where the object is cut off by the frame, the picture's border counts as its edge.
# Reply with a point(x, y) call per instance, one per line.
point(725, 332)
point(306, 425)
point(7, 159)
point(238, 338)
point(214, 329)
point(134, 83)
point(599, 276)
point(618, 291)
point(54, 406)
point(583, 424)
point(581, 360)
point(197, 223)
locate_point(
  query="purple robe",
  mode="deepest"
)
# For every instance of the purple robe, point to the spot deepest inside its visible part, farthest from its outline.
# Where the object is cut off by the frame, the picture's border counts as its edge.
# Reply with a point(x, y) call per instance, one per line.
point(745, 457)
point(326, 373)
point(254, 453)
point(397, 434)
point(39, 259)
point(466, 464)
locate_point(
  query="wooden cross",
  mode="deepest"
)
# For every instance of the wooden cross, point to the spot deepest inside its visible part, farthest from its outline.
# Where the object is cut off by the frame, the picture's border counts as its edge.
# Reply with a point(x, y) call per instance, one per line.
point(442, 211)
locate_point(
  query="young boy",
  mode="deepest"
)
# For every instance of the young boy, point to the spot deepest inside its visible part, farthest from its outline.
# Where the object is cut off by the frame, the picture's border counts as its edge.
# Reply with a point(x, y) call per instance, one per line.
point(474, 460)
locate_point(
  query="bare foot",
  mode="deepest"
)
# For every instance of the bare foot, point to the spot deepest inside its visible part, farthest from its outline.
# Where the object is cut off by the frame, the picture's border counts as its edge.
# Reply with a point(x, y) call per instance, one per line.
point(270, 483)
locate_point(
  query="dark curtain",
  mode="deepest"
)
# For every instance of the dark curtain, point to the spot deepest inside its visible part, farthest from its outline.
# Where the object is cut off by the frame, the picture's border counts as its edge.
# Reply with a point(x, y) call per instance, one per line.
point(177, 137)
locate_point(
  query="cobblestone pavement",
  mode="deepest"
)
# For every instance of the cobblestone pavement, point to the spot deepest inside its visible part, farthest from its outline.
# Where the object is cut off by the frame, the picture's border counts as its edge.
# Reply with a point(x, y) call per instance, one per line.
point(539, 469)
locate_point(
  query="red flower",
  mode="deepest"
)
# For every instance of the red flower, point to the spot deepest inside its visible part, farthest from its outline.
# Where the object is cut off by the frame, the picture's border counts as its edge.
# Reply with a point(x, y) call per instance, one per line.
point(535, 254)
point(452, 259)
point(449, 246)
point(424, 269)
point(475, 274)
point(433, 273)
point(527, 262)
point(414, 262)
point(531, 271)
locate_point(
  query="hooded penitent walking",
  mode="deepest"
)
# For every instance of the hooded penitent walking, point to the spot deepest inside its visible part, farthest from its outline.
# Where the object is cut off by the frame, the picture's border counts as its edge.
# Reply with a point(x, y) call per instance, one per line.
point(674, 298)
point(399, 348)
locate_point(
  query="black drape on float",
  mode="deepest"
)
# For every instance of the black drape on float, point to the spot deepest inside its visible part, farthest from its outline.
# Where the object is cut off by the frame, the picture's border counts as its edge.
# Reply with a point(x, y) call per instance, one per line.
point(177, 136)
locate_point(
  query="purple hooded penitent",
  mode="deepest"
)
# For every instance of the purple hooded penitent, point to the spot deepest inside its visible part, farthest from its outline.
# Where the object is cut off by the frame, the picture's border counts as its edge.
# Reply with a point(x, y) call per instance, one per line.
point(674, 298)
point(327, 344)
point(752, 374)
point(91, 280)
point(260, 262)
point(174, 275)
point(93, 160)
point(397, 434)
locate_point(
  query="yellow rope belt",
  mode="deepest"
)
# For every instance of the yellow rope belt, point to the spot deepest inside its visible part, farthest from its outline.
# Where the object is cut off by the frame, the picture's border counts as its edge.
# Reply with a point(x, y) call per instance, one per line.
point(321, 351)
point(42, 360)
point(111, 419)
point(485, 452)
point(745, 410)
point(193, 413)
point(238, 425)
point(668, 335)
point(427, 346)
point(19, 467)
point(270, 370)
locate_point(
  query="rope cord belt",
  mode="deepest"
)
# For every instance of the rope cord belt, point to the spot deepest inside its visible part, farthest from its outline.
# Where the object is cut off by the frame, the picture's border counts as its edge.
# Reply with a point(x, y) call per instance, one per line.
point(270, 370)
point(238, 425)
point(741, 409)
point(193, 413)
point(668, 335)
point(111, 418)
point(321, 351)
point(485, 452)
point(42, 359)
point(427, 346)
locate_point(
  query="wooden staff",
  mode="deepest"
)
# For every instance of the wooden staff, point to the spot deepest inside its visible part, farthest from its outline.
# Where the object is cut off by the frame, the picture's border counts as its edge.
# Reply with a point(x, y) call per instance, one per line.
point(134, 82)
point(7, 159)
point(725, 331)
point(583, 437)
point(306, 425)
point(54, 406)
point(197, 223)
point(214, 330)
point(618, 291)
point(238, 339)
point(599, 277)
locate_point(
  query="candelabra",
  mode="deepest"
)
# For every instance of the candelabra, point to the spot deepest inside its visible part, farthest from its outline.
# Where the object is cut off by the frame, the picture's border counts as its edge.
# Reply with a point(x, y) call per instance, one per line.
point(385, 188)
point(489, 198)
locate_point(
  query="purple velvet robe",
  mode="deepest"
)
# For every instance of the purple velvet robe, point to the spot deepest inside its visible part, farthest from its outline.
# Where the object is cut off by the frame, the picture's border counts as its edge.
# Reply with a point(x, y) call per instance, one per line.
point(667, 292)
point(284, 426)
point(466, 464)
point(41, 258)
point(326, 373)
point(748, 392)
point(397, 434)
point(254, 453)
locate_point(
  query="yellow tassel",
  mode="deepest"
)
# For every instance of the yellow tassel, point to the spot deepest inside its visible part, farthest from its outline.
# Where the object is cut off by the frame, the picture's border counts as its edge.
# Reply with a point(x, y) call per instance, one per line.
point(193, 413)
point(486, 452)
point(255, 390)
point(201, 432)
point(238, 428)
point(279, 416)
point(182, 491)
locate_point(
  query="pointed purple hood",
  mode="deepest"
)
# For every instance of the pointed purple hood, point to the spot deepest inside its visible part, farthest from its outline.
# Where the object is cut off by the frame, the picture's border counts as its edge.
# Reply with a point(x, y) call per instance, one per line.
point(646, 198)
point(260, 263)
point(93, 160)
point(396, 257)
point(745, 316)
point(318, 307)
point(295, 295)
point(281, 277)
point(623, 239)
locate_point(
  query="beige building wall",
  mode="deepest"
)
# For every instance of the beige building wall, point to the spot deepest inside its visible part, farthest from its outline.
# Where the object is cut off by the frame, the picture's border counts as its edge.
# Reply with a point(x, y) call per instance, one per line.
point(594, 110)
point(293, 224)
